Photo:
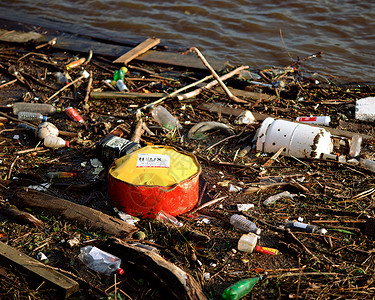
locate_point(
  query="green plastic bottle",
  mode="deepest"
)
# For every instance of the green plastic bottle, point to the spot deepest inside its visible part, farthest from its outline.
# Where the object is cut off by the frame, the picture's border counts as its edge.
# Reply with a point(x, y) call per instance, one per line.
point(240, 288)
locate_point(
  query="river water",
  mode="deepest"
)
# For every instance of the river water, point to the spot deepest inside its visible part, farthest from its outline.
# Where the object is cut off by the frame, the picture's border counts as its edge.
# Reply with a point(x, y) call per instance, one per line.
point(259, 33)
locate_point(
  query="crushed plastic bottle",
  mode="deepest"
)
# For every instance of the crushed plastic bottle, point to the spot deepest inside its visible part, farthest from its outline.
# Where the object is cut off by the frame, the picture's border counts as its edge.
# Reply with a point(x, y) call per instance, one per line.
point(100, 261)
point(31, 116)
point(274, 198)
point(240, 222)
point(367, 164)
point(45, 129)
point(56, 142)
point(162, 116)
point(168, 219)
point(43, 108)
point(240, 288)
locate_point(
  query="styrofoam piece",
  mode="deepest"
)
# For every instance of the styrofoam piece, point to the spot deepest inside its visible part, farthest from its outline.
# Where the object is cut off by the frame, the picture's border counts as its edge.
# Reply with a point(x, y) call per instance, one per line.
point(297, 139)
point(365, 109)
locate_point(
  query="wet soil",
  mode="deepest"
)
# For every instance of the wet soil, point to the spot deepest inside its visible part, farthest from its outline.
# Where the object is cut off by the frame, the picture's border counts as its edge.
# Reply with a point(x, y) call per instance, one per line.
point(335, 196)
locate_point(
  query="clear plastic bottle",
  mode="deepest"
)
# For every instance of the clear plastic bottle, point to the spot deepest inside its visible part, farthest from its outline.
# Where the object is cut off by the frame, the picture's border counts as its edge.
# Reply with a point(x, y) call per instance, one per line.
point(240, 222)
point(298, 226)
point(162, 116)
point(52, 141)
point(31, 116)
point(355, 145)
point(45, 129)
point(100, 261)
point(167, 219)
point(241, 288)
point(43, 108)
point(121, 86)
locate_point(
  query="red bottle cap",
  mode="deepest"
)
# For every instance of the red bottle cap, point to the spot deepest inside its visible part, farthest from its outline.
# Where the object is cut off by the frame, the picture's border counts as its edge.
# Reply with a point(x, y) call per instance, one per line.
point(120, 271)
point(67, 143)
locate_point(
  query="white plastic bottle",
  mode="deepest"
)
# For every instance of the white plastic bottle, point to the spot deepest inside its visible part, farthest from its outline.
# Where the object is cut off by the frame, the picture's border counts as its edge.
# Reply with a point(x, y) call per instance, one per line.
point(247, 242)
point(240, 222)
point(100, 261)
point(31, 116)
point(52, 141)
point(162, 116)
point(43, 108)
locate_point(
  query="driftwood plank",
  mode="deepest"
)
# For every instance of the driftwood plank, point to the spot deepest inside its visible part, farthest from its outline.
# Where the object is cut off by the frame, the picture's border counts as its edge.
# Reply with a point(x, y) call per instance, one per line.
point(138, 50)
point(96, 220)
point(176, 283)
point(98, 95)
point(62, 282)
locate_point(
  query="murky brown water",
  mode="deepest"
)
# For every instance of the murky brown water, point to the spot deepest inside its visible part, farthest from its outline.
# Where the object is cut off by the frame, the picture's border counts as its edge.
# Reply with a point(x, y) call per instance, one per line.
point(241, 32)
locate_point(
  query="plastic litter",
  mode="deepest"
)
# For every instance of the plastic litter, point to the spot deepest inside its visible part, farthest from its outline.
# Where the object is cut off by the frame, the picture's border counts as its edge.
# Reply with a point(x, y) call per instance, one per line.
point(100, 261)
point(242, 223)
point(299, 226)
point(355, 145)
point(298, 140)
point(164, 118)
point(45, 129)
point(241, 288)
point(31, 116)
point(196, 132)
point(52, 141)
point(74, 115)
point(43, 108)
point(323, 120)
point(274, 198)
point(247, 242)
point(365, 109)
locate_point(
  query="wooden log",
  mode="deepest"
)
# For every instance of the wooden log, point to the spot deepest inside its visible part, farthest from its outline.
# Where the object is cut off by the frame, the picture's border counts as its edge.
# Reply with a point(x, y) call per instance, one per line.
point(137, 51)
point(176, 283)
point(63, 283)
point(98, 95)
point(20, 216)
point(96, 220)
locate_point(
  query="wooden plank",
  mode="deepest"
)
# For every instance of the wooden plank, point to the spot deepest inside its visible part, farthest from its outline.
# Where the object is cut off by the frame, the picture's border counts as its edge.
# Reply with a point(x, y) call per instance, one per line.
point(137, 51)
point(75, 43)
point(94, 219)
point(98, 95)
point(62, 282)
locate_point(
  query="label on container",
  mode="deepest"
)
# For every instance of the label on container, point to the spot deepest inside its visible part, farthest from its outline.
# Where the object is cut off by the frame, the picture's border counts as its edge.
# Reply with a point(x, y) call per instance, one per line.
point(300, 225)
point(307, 119)
point(151, 160)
